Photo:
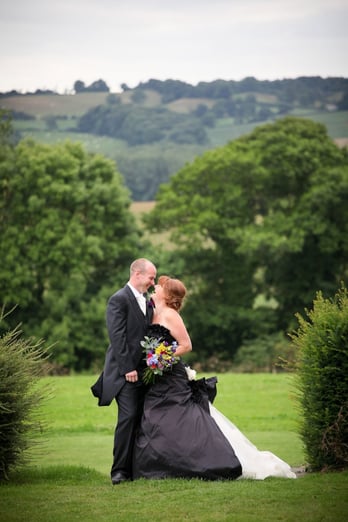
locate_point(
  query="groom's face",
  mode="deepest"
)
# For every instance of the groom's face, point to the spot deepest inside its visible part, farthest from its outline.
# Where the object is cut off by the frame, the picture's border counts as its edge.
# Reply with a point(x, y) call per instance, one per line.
point(146, 278)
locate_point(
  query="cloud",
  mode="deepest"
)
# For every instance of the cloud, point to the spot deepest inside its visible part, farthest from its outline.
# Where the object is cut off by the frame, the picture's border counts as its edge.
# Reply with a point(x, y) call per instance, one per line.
point(52, 44)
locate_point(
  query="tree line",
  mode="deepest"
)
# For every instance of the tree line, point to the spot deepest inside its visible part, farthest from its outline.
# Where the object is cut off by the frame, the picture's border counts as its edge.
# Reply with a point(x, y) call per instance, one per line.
point(141, 125)
point(163, 139)
point(304, 89)
point(138, 125)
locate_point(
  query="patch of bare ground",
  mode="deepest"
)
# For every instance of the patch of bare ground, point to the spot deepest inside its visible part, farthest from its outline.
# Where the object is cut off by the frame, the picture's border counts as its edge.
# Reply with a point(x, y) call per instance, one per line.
point(341, 142)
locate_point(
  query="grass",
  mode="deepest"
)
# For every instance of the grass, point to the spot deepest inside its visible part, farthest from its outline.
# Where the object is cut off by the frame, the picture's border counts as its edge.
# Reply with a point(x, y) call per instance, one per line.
point(335, 122)
point(73, 106)
point(79, 494)
point(68, 476)
point(162, 239)
point(53, 105)
point(227, 130)
point(174, 156)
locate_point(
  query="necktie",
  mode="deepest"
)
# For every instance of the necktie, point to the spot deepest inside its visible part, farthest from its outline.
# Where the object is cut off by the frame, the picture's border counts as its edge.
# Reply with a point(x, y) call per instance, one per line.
point(142, 303)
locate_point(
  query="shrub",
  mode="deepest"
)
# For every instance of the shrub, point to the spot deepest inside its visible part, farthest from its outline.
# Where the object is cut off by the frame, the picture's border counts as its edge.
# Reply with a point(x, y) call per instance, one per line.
point(20, 394)
point(263, 354)
point(322, 381)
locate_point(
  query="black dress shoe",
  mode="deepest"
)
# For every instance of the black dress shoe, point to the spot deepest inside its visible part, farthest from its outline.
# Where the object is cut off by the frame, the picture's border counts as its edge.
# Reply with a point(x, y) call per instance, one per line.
point(119, 477)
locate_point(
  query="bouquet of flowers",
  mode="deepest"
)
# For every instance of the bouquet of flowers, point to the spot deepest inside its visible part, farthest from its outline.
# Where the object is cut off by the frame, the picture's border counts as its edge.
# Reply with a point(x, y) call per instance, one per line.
point(159, 355)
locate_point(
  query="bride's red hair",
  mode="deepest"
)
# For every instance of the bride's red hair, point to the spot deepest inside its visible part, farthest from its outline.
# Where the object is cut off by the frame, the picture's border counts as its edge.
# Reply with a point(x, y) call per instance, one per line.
point(174, 291)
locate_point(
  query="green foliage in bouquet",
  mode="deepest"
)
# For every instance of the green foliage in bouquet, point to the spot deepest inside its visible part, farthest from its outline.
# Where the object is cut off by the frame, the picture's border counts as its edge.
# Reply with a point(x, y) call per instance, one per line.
point(322, 381)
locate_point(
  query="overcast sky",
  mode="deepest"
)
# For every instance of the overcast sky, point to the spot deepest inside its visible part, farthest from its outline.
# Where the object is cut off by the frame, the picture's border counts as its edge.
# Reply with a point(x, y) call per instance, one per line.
point(49, 44)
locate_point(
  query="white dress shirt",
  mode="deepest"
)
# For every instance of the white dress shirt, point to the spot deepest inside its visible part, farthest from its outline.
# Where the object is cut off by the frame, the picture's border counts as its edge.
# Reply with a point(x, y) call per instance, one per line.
point(139, 297)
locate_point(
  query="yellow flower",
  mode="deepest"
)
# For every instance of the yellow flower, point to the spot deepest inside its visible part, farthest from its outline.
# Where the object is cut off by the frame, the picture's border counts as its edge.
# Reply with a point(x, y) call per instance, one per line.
point(160, 348)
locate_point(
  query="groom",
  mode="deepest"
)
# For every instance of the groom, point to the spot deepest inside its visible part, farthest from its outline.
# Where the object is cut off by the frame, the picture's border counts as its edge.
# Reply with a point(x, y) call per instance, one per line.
point(127, 318)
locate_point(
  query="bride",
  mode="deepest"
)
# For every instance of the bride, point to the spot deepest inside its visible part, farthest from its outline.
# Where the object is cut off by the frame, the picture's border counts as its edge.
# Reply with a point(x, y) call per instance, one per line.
point(181, 433)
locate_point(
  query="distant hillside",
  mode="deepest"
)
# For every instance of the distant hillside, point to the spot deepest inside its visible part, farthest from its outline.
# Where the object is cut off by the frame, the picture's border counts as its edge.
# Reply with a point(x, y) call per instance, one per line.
point(151, 131)
point(60, 105)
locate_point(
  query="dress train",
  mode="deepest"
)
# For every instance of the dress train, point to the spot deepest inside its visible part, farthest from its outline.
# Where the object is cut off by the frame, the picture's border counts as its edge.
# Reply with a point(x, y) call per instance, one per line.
point(256, 465)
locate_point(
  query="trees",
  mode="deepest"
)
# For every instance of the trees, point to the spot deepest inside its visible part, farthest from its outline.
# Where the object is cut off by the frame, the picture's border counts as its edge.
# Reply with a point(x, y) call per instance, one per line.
point(170, 90)
point(67, 238)
point(261, 225)
point(97, 86)
point(308, 91)
point(139, 125)
point(79, 86)
point(343, 104)
point(302, 219)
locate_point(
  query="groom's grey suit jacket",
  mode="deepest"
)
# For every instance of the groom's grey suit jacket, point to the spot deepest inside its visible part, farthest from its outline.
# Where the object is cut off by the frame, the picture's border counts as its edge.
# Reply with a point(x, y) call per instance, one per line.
point(126, 326)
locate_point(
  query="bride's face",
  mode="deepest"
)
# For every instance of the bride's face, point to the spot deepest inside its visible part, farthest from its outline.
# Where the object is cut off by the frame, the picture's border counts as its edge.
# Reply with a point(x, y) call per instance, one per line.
point(158, 295)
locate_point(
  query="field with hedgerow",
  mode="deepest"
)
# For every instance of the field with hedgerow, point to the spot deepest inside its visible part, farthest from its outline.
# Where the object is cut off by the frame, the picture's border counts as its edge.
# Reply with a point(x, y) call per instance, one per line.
point(67, 478)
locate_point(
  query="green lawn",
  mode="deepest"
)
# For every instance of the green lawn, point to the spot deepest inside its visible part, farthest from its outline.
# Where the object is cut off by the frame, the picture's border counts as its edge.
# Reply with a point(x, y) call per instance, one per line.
point(68, 476)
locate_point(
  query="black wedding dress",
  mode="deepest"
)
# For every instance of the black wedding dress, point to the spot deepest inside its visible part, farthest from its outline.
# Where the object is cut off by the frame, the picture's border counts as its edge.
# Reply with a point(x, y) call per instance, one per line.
point(183, 435)
point(177, 436)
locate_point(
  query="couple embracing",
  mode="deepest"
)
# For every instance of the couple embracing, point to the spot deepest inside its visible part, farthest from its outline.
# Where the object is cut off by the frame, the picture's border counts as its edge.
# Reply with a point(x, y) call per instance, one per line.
point(163, 430)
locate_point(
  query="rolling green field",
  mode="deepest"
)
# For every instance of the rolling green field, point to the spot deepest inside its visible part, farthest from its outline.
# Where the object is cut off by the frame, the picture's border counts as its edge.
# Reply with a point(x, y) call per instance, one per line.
point(56, 119)
point(53, 105)
point(225, 130)
point(68, 476)
point(71, 107)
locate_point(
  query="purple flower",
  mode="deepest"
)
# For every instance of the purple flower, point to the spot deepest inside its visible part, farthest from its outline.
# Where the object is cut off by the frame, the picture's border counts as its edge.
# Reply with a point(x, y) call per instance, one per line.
point(150, 303)
point(159, 356)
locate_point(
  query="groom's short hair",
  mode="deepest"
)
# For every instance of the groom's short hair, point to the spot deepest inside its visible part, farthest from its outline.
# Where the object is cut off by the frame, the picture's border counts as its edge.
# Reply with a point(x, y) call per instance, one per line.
point(139, 265)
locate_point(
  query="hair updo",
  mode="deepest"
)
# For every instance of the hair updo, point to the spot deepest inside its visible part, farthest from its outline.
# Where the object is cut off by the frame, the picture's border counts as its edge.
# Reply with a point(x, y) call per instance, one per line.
point(174, 291)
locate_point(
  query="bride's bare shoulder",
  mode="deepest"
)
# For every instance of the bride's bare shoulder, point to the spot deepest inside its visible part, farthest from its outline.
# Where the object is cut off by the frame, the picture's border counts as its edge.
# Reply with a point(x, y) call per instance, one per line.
point(167, 317)
point(172, 318)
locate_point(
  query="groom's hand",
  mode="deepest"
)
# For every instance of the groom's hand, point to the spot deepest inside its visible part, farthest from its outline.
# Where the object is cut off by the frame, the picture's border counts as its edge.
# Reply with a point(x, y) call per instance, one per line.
point(131, 376)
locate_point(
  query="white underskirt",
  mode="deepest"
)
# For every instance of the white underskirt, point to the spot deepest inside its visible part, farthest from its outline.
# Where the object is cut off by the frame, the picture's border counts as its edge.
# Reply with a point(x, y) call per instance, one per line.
point(256, 464)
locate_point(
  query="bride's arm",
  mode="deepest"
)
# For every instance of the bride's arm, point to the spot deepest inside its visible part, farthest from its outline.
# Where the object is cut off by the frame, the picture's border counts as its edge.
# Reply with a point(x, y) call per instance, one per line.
point(177, 328)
